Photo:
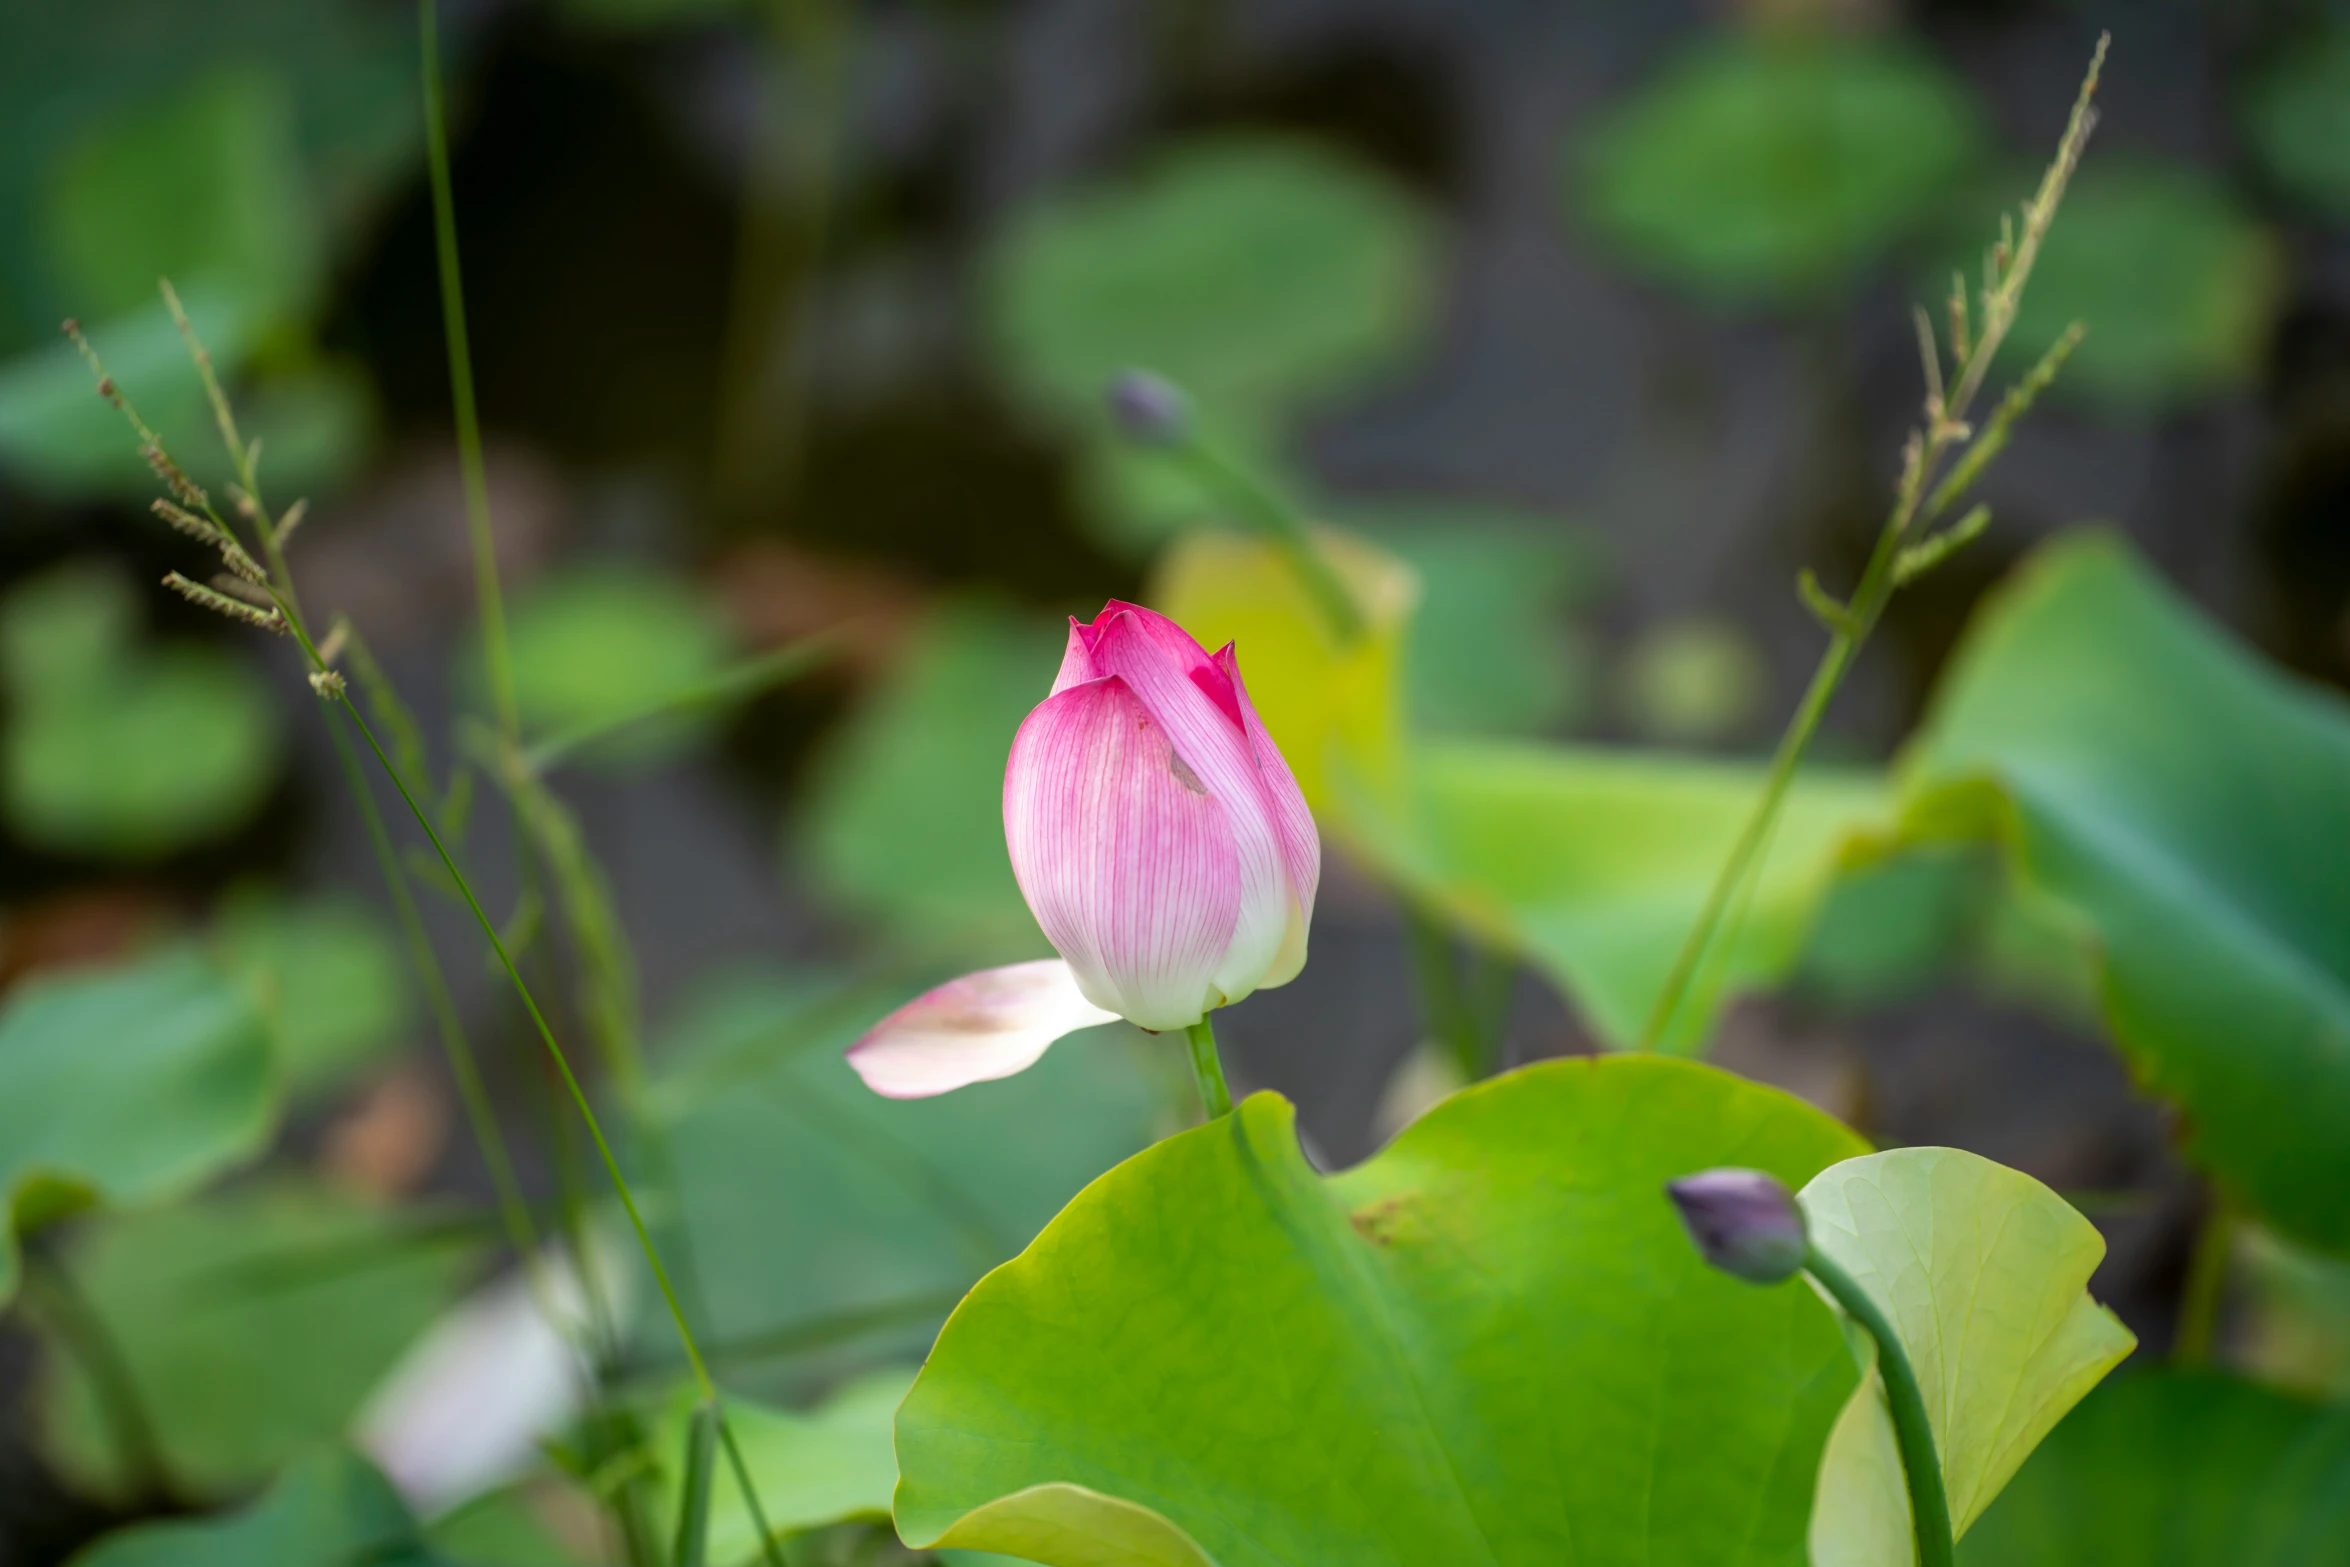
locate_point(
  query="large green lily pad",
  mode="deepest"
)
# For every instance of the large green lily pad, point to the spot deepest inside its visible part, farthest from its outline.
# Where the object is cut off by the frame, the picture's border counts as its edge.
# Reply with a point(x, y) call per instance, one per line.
point(2193, 805)
point(2178, 1469)
point(1983, 1272)
point(126, 1085)
point(251, 1327)
point(1491, 1342)
point(329, 978)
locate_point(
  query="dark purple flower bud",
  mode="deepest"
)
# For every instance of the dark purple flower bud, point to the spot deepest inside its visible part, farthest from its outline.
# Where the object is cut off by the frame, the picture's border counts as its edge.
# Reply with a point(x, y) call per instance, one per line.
point(1149, 408)
point(1744, 1222)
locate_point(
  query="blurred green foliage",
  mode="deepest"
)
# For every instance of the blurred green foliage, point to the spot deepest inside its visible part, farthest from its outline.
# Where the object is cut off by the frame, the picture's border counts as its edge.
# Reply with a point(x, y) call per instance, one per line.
point(829, 1465)
point(329, 978)
point(329, 1506)
point(903, 820)
point(601, 643)
point(116, 748)
point(1693, 680)
point(1753, 169)
point(818, 1214)
point(2178, 285)
point(1261, 276)
point(1493, 648)
point(252, 1326)
point(2189, 1469)
point(2297, 118)
point(128, 1085)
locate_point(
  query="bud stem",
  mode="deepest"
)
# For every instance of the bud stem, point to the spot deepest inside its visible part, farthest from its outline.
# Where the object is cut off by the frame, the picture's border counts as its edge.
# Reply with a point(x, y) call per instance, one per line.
point(1207, 1069)
point(1929, 1506)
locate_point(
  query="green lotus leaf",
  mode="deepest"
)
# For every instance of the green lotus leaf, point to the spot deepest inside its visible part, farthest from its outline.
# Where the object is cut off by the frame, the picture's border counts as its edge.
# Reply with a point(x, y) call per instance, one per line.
point(2192, 805)
point(1595, 863)
point(1983, 1272)
point(1770, 169)
point(328, 1509)
point(2178, 1469)
point(126, 1085)
point(252, 1327)
point(1492, 1341)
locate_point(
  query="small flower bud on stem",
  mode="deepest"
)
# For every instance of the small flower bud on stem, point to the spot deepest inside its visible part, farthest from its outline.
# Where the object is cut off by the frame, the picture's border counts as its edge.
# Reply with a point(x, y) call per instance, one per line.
point(1746, 1223)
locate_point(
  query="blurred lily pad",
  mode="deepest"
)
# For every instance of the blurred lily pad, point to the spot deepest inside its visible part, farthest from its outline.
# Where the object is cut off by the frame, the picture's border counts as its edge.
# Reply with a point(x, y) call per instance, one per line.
point(2178, 285)
point(126, 1085)
point(1260, 275)
point(904, 819)
point(119, 749)
point(1491, 649)
point(342, 74)
point(822, 1216)
point(203, 186)
point(330, 979)
point(2185, 1469)
point(2297, 116)
point(603, 643)
point(327, 1509)
point(251, 1325)
point(2190, 804)
point(1770, 169)
point(58, 435)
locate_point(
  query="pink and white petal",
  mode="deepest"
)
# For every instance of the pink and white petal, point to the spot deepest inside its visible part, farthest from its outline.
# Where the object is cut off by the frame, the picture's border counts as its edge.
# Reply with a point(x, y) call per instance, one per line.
point(1181, 649)
point(1124, 855)
point(1285, 802)
point(1077, 659)
point(1216, 751)
point(983, 1026)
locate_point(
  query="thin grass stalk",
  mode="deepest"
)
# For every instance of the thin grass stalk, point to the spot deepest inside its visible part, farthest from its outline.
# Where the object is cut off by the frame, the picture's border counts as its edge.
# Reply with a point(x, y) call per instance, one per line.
point(1924, 491)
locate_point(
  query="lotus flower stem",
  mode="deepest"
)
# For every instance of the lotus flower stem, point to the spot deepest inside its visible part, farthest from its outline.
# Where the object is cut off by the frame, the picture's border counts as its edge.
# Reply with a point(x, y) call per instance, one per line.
point(1929, 1505)
point(1207, 1068)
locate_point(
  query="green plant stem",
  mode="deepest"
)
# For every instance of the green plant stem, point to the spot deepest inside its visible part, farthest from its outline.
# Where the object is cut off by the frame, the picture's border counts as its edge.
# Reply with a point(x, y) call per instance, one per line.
point(1264, 507)
point(1207, 1069)
point(1929, 1505)
point(578, 1093)
point(747, 678)
point(2206, 1287)
point(464, 1069)
point(693, 1500)
point(1452, 1011)
point(768, 1547)
point(112, 1386)
point(495, 652)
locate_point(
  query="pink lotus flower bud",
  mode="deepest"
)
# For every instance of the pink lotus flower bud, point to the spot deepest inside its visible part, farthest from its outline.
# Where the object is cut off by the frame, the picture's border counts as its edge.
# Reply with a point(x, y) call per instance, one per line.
point(1160, 840)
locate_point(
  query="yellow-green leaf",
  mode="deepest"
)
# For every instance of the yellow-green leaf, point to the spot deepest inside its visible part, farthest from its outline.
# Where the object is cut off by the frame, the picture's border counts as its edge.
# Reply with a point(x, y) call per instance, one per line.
point(1983, 1272)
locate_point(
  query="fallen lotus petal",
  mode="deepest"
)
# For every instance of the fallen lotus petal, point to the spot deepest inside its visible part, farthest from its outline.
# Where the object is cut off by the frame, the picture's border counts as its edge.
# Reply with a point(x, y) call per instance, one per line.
point(972, 1030)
